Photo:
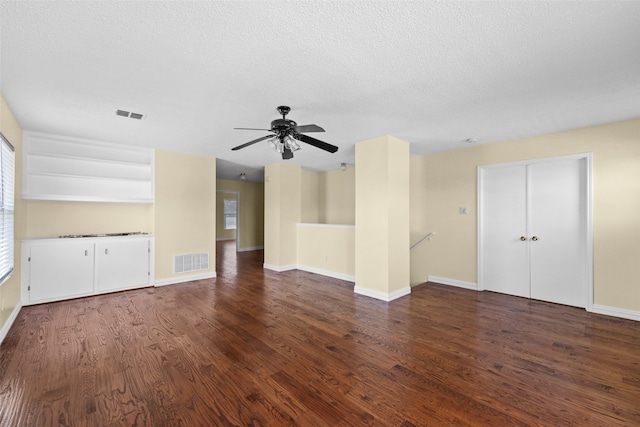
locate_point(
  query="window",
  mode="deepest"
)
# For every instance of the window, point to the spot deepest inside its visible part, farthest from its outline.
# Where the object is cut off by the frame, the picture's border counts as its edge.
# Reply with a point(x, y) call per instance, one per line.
point(7, 173)
point(230, 210)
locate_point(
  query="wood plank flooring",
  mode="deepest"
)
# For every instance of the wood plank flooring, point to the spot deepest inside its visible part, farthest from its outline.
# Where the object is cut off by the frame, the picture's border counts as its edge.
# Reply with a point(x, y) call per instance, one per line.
point(259, 348)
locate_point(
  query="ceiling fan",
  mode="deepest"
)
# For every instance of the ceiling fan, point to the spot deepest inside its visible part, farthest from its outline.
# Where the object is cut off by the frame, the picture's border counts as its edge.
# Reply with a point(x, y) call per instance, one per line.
point(286, 134)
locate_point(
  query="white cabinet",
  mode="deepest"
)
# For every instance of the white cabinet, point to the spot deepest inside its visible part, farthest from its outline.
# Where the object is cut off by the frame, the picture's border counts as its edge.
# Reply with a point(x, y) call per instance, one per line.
point(122, 265)
point(58, 269)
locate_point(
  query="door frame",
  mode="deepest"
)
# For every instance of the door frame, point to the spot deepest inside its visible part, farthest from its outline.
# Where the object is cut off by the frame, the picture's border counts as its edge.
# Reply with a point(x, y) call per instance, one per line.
point(588, 232)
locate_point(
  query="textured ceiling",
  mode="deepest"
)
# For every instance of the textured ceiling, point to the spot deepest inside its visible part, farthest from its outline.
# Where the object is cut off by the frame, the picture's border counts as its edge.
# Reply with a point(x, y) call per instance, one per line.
point(431, 73)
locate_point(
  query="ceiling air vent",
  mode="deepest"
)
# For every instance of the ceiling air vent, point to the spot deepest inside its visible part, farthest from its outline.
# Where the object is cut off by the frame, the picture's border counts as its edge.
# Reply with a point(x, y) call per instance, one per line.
point(124, 113)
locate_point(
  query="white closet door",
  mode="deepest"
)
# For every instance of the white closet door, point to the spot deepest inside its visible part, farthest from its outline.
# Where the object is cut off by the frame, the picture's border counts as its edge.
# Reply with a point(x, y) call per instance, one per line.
point(504, 256)
point(557, 230)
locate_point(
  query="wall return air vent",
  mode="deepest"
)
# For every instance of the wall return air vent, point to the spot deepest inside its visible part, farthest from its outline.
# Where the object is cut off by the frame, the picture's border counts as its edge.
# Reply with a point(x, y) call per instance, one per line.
point(129, 114)
point(190, 262)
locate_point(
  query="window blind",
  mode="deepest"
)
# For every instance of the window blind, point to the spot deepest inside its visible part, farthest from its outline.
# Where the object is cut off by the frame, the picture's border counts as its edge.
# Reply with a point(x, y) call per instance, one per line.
point(7, 183)
point(230, 210)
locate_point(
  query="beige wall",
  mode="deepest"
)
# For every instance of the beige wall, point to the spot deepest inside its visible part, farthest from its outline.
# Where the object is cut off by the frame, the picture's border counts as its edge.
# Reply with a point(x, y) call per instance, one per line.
point(251, 212)
point(337, 196)
point(282, 211)
point(53, 219)
point(327, 248)
point(442, 182)
point(329, 197)
point(310, 197)
point(221, 232)
point(185, 203)
point(10, 290)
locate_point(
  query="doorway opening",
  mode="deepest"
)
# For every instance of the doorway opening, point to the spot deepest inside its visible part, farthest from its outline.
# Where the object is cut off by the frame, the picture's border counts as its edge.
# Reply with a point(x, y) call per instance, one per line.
point(227, 230)
point(228, 216)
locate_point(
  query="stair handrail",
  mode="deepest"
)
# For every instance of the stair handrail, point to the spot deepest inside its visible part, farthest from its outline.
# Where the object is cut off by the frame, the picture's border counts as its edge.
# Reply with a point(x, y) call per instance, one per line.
point(427, 237)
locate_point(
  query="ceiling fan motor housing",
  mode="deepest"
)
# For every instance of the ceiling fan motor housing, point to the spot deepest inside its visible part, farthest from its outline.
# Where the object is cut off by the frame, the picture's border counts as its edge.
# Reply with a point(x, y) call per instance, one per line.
point(282, 125)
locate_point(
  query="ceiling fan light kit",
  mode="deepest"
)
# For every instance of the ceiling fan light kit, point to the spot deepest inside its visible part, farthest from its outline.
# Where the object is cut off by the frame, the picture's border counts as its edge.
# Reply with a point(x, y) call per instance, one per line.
point(285, 136)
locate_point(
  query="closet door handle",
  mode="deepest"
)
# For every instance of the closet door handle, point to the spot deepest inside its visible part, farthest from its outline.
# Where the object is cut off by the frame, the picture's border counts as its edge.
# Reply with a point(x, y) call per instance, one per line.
point(523, 238)
point(534, 238)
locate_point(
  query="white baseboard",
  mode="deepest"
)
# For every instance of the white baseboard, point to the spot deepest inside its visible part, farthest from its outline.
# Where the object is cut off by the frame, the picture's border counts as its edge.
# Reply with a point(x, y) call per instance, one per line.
point(596, 308)
point(253, 248)
point(183, 279)
point(388, 297)
point(7, 325)
point(615, 312)
point(327, 273)
point(279, 268)
point(453, 282)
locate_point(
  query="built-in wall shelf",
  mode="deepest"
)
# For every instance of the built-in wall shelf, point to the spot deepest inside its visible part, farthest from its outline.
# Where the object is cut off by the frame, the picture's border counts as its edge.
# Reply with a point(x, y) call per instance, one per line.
point(64, 168)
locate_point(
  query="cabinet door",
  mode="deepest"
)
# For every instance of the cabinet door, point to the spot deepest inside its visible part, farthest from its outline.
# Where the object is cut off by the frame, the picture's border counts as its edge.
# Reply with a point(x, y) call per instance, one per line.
point(60, 271)
point(122, 265)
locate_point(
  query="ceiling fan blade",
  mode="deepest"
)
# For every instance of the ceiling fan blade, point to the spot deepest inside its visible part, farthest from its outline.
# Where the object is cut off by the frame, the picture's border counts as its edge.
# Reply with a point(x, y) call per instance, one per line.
point(308, 128)
point(316, 143)
point(251, 142)
point(287, 154)
point(268, 130)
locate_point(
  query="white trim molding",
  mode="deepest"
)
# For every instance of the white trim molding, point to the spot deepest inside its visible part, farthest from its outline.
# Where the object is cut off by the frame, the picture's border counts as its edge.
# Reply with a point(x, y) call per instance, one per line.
point(387, 297)
point(183, 279)
point(252, 248)
point(335, 275)
point(453, 282)
point(328, 273)
point(279, 268)
point(318, 225)
point(12, 318)
point(615, 312)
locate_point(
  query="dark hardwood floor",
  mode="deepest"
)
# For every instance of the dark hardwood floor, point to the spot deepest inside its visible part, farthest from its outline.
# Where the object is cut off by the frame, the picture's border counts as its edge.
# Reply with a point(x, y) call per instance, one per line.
point(259, 348)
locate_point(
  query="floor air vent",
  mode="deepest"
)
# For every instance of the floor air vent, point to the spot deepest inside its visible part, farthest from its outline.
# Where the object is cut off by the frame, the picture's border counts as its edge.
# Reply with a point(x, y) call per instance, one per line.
point(190, 262)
